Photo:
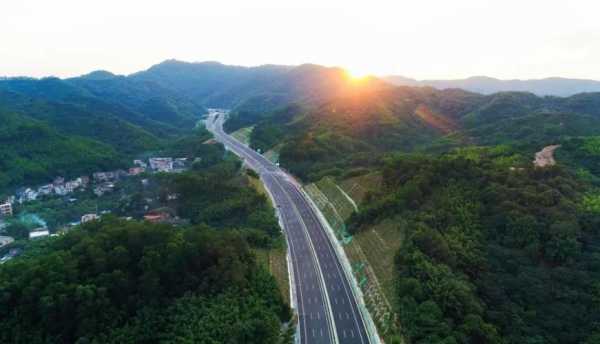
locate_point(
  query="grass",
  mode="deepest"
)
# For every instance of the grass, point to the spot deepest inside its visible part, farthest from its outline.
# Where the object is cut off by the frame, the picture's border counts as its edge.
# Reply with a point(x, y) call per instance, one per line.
point(372, 253)
point(243, 134)
point(275, 261)
point(377, 247)
point(336, 197)
point(358, 187)
point(258, 186)
point(273, 154)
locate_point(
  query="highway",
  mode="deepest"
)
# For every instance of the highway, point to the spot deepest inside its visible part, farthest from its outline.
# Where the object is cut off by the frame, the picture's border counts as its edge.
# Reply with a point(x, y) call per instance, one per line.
point(327, 309)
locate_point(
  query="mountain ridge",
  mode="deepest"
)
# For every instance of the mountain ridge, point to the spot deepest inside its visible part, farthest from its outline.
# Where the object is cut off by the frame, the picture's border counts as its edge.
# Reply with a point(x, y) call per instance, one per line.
point(551, 86)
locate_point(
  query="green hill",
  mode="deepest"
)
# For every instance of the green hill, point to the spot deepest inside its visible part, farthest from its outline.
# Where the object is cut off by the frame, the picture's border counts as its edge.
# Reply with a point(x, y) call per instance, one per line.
point(33, 152)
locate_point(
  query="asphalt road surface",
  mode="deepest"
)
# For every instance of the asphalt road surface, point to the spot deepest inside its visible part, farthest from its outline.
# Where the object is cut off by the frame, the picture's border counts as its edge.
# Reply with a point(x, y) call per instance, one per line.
point(327, 309)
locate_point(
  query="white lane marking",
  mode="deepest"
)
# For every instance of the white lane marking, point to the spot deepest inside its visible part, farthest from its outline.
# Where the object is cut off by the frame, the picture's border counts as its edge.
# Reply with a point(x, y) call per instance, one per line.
point(321, 233)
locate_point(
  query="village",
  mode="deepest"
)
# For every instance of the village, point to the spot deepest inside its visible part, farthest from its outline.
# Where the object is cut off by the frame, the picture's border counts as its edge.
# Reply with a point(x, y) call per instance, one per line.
point(99, 183)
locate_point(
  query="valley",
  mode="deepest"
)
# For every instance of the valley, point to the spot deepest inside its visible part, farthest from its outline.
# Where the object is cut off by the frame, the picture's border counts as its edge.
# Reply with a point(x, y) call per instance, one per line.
point(410, 214)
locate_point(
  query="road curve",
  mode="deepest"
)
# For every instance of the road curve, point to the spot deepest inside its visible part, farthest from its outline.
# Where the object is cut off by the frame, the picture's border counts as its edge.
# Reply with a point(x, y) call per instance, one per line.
point(327, 309)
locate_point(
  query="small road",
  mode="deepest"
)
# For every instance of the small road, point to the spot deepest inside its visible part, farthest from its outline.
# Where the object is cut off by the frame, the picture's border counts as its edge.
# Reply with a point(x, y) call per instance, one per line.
point(327, 309)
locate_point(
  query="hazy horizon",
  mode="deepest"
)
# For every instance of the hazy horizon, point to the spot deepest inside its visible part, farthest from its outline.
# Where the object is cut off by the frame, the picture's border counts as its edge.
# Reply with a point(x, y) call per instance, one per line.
point(425, 40)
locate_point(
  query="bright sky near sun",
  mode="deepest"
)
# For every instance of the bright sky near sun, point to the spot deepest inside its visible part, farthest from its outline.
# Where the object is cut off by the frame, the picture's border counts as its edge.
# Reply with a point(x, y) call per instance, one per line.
point(422, 39)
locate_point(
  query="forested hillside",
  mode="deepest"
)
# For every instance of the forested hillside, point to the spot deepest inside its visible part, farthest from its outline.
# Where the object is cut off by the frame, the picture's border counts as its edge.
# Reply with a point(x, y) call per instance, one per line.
point(127, 281)
point(343, 132)
point(492, 248)
point(34, 152)
point(119, 281)
point(57, 127)
point(490, 254)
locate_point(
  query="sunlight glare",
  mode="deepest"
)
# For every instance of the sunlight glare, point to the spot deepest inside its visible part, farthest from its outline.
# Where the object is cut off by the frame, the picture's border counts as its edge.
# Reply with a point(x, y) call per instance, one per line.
point(356, 74)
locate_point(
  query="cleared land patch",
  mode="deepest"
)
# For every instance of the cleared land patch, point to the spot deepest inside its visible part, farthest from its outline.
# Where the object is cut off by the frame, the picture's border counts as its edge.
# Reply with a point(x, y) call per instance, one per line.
point(243, 134)
point(545, 157)
point(273, 154)
point(357, 187)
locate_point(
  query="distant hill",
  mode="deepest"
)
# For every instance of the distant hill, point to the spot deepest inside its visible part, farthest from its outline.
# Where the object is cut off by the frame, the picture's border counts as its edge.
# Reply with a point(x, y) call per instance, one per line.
point(66, 127)
point(217, 85)
point(355, 130)
point(562, 87)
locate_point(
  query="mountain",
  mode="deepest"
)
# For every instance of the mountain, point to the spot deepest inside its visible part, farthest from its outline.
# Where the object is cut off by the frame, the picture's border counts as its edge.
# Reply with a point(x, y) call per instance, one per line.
point(34, 152)
point(562, 87)
point(210, 83)
point(85, 124)
point(354, 130)
point(214, 84)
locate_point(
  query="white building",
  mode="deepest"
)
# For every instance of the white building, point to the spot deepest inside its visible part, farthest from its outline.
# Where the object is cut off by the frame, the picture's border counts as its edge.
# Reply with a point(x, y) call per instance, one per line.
point(46, 190)
point(27, 195)
point(161, 164)
point(72, 185)
point(140, 163)
point(6, 209)
point(39, 233)
point(89, 217)
point(60, 190)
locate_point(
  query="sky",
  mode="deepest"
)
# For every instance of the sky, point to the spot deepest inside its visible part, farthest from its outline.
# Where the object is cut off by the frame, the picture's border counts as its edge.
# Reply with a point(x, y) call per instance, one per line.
point(422, 39)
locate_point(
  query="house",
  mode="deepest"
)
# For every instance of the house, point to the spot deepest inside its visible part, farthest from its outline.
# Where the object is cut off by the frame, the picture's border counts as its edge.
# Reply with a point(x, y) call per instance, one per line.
point(5, 240)
point(6, 209)
point(140, 163)
point(46, 190)
point(89, 217)
point(104, 176)
point(58, 181)
point(84, 180)
point(72, 185)
point(161, 164)
point(39, 233)
point(26, 195)
point(118, 174)
point(60, 190)
point(157, 216)
point(134, 171)
point(180, 164)
point(103, 188)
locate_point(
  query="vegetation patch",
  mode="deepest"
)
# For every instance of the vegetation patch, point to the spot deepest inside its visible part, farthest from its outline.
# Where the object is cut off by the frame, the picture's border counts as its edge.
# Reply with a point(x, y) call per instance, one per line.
point(113, 280)
point(243, 134)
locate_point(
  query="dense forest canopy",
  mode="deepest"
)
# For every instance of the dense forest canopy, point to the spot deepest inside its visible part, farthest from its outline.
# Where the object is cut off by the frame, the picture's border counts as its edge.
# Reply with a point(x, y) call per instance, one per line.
point(119, 281)
point(491, 254)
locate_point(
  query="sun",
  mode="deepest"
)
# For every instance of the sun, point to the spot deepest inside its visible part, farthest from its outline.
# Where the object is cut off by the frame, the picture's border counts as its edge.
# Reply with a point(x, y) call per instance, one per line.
point(356, 74)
